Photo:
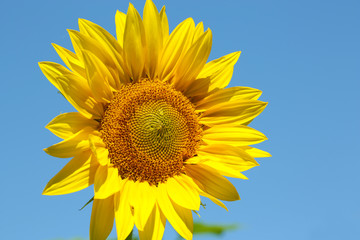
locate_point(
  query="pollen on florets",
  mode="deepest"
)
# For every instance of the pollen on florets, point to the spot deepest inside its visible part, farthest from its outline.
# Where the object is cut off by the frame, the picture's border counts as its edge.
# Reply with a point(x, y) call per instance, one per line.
point(150, 129)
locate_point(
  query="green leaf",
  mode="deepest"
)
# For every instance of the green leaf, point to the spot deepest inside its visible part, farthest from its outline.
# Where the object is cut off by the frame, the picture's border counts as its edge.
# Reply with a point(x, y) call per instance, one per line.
point(202, 228)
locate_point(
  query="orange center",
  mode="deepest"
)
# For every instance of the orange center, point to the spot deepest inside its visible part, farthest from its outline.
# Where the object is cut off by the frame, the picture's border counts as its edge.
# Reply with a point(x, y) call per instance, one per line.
point(150, 129)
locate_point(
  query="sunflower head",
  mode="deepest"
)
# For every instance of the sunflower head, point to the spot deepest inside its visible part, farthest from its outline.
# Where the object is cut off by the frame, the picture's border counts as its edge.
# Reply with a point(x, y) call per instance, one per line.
point(155, 127)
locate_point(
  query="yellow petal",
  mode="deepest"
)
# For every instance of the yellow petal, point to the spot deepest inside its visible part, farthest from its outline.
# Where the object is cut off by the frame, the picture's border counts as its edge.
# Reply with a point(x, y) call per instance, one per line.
point(214, 200)
point(155, 226)
point(134, 43)
point(237, 112)
point(164, 25)
point(107, 182)
point(180, 218)
point(215, 75)
point(154, 41)
point(81, 99)
point(67, 124)
point(195, 160)
point(77, 174)
point(233, 135)
point(99, 149)
point(120, 20)
point(199, 31)
point(112, 60)
point(130, 189)
point(53, 71)
point(101, 154)
point(98, 77)
point(182, 194)
point(82, 42)
point(72, 146)
point(245, 108)
point(142, 209)
point(256, 153)
point(110, 45)
point(176, 46)
point(228, 95)
point(227, 154)
point(98, 33)
point(218, 70)
point(123, 214)
point(74, 88)
point(198, 89)
point(102, 218)
point(225, 169)
point(71, 60)
point(193, 61)
point(211, 182)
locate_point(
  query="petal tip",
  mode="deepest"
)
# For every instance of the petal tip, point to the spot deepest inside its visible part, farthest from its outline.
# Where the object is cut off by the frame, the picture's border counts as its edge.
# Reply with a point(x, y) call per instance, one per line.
point(45, 192)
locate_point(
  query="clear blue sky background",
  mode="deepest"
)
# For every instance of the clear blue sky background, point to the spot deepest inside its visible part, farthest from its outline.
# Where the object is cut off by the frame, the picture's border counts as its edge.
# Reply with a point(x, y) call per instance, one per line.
point(304, 55)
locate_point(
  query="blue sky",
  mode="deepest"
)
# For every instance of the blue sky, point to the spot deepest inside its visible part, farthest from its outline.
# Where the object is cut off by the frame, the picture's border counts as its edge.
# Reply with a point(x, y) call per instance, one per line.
point(303, 55)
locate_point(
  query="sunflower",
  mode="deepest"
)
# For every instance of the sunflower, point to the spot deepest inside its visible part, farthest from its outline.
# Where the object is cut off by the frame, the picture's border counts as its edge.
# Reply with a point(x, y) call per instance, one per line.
point(155, 127)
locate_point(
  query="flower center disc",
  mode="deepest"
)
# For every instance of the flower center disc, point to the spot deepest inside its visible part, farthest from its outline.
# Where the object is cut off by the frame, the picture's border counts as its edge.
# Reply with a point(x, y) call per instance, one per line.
point(150, 129)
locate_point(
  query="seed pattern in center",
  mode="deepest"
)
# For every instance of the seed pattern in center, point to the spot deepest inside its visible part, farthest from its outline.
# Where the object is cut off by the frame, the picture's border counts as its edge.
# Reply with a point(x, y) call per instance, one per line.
point(150, 129)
